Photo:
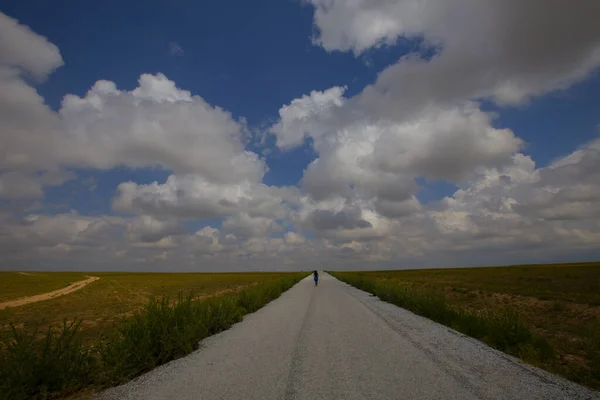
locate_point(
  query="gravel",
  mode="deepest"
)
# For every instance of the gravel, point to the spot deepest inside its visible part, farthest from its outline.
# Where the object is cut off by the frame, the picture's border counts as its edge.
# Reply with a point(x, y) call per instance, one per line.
point(337, 342)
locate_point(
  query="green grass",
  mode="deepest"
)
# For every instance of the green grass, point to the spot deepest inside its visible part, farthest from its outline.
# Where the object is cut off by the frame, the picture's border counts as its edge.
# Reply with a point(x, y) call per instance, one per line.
point(500, 329)
point(103, 303)
point(31, 368)
point(14, 285)
point(62, 363)
point(578, 282)
point(548, 316)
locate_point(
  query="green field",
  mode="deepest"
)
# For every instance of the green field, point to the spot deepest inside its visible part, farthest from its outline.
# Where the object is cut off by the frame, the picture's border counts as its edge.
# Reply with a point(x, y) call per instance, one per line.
point(14, 285)
point(115, 295)
point(118, 327)
point(559, 305)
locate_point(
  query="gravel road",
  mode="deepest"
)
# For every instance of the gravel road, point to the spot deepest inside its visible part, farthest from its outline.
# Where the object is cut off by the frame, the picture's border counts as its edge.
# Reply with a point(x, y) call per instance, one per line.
point(337, 342)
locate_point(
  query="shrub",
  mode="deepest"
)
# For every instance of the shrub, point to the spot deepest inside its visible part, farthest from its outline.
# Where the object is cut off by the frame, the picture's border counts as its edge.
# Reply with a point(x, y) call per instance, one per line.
point(59, 364)
point(31, 368)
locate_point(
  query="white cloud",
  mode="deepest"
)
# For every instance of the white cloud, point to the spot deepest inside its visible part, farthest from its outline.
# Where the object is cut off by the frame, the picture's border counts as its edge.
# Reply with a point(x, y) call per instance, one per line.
point(518, 204)
point(148, 229)
point(420, 119)
point(446, 144)
point(356, 205)
point(242, 225)
point(307, 116)
point(292, 238)
point(23, 113)
point(338, 219)
point(191, 196)
point(155, 124)
point(509, 50)
point(25, 51)
point(380, 160)
point(568, 189)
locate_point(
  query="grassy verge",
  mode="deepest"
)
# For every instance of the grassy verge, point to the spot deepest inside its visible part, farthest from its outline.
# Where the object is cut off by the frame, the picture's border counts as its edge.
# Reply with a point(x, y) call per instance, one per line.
point(501, 330)
point(545, 315)
point(102, 304)
point(62, 363)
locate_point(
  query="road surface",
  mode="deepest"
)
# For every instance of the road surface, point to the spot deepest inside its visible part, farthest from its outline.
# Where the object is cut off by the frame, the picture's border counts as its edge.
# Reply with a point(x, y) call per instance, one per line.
point(48, 295)
point(337, 342)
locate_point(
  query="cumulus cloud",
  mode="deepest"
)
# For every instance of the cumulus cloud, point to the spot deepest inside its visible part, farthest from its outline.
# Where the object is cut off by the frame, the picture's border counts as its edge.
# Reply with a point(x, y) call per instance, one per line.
point(243, 225)
point(357, 204)
point(25, 51)
point(508, 50)
point(418, 117)
point(421, 118)
point(148, 229)
point(520, 205)
point(155, 124)
point(23, 113)
point(308, 116)
point(192, 196)
point(292, 238)
point(568, 189)
point(446, 144)
point(379, 161)
point(397, 209)
point(328, 220)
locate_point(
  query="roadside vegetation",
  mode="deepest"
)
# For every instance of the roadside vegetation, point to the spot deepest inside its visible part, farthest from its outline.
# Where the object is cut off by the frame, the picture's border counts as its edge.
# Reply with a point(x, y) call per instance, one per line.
point(59, 360)
point(102, 304)
point(547, 315)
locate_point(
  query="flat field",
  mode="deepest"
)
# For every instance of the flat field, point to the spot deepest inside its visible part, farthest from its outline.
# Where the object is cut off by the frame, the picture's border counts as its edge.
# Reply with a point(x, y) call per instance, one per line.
point(127, 324)
point(103, 303)
point(559, 303)
point(14, 285)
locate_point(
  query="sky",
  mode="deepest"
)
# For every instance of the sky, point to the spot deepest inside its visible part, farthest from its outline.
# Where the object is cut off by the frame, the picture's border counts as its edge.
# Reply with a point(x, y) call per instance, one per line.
point(298, 134)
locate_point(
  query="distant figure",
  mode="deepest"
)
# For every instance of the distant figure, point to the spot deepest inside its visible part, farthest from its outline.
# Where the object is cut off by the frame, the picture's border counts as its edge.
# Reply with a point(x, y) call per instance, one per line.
point(316, 276)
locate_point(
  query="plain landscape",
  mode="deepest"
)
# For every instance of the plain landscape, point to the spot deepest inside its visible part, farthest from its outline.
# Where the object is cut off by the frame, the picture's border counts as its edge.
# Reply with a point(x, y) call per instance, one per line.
point(336, 342)
point(171, 173)
point(104, 303)
point(119, 326)
point(547, 315)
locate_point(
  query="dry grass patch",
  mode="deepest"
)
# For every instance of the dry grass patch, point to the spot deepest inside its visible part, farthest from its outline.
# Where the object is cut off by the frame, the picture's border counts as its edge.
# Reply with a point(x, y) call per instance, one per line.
point(559, 303)
point(15, 285)
point(117, 295)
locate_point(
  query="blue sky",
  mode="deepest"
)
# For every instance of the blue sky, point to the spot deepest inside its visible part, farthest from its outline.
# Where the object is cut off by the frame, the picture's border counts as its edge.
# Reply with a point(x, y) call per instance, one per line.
point(228, 57)
point(252, 58)
point(233, 50)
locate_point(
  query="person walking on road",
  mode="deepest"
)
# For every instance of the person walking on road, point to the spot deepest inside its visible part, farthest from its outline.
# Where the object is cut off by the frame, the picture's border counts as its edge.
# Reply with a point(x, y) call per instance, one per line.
point(316, 277)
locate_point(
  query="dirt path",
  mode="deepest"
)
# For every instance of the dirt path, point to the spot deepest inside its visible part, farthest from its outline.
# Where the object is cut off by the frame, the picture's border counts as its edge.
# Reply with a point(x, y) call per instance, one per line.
point(50, 295)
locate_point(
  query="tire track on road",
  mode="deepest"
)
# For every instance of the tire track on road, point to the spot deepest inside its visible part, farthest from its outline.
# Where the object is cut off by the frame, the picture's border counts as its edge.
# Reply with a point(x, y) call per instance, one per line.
point(299, 350)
